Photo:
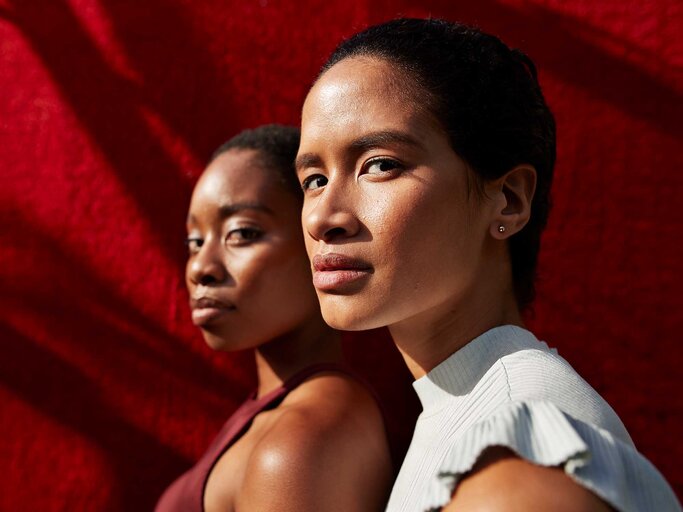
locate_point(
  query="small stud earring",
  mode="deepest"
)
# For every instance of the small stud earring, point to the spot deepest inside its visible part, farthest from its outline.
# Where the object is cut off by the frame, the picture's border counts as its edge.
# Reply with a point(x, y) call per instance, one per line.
point(501, 229)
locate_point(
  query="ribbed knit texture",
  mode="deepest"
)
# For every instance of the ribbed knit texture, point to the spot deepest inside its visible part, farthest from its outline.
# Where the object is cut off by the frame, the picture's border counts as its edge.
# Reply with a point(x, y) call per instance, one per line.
point(505, 388)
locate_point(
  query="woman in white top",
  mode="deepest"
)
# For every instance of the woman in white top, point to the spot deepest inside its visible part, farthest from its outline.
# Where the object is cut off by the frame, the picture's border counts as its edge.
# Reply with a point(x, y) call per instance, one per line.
point(426, 160)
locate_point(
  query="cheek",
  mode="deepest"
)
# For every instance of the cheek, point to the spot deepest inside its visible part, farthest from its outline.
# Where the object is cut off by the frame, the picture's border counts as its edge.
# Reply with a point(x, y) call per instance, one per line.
point(304, 219)
point(280, 276)
point(188, 282)
point(409, 220)
point(427, 242)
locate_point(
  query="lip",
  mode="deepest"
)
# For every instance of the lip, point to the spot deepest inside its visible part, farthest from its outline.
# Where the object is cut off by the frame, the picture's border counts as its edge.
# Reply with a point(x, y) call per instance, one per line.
point(206, 310)
point(336, 272)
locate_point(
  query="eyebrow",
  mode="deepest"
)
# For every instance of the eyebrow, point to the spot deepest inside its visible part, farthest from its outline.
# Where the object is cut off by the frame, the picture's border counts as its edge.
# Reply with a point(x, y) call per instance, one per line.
point(306, 160)
point(227, 210)
point(365, 143)
point(384, 138)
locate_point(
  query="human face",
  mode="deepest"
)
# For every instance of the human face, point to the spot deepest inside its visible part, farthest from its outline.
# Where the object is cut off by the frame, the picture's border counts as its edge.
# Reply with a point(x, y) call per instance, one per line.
point(247, 271)
point(391, 223)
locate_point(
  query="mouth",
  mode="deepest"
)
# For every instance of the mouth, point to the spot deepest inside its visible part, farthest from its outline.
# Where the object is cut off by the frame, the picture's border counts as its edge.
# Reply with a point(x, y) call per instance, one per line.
point(206, 310)
point(337, 273)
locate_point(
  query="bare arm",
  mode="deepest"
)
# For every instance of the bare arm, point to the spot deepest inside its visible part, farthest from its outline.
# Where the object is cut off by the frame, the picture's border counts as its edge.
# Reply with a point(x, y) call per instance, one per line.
point(320, 457)
point(503, 482)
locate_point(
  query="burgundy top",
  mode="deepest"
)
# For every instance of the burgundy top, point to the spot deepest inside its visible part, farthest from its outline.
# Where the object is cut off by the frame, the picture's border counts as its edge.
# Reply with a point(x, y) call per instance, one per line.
point(186, 494)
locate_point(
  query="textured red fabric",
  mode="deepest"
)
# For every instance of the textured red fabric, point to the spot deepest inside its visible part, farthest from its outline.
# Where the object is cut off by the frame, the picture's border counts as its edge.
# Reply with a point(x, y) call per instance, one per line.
point(108, 108)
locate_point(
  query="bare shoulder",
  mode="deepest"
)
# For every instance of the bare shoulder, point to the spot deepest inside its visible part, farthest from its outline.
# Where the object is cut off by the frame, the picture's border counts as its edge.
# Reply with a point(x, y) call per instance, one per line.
point(503, 482)
point(335, 393)
point(330, 412)
point(325, 449)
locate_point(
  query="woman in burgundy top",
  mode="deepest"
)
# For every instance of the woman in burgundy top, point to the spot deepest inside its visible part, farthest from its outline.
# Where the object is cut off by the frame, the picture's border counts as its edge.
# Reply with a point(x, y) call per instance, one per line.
point(311, 437)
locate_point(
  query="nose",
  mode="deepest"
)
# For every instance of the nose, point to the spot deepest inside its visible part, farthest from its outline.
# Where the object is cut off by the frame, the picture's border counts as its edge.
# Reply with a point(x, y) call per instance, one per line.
point(330, 216)
point(206, 266)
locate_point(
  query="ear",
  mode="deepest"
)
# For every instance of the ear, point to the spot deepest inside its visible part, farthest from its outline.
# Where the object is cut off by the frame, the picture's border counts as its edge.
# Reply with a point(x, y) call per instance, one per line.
point(512, 194)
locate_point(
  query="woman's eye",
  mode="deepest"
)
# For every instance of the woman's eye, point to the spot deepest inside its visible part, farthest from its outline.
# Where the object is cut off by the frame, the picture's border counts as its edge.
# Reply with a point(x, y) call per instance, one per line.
point(193, 244)
point(382, 166)
point(243, 235)
point(314, 181)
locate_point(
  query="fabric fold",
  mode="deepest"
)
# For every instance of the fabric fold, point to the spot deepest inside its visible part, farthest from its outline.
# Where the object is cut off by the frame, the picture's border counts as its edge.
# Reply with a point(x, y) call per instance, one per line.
point(541, 433)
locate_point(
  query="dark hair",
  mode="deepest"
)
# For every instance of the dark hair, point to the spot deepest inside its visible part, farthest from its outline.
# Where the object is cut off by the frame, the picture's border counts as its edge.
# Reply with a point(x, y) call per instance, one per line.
point(276, 145)
point(487, 98)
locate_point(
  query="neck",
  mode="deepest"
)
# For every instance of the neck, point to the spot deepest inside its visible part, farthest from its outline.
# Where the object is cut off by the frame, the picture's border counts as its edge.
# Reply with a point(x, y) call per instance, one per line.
point(281, 358)
point(430, 337)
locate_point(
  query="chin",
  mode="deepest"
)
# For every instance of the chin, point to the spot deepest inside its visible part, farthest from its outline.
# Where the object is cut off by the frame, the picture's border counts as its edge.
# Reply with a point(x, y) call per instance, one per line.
point(214, 342)
point(219, 342)
point(346, 313)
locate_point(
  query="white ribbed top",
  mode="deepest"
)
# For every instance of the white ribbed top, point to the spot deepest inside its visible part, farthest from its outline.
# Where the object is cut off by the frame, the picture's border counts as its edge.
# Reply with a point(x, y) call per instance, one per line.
point(505, 388)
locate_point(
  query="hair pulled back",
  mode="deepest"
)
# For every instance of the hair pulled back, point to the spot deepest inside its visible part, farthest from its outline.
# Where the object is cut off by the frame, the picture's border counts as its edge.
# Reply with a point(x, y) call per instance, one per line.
point(487, 98)
point(276, 146)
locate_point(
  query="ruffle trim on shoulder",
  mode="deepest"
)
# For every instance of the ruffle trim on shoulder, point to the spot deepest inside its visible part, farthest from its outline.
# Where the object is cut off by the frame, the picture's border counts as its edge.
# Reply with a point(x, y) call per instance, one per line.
point(542, 434)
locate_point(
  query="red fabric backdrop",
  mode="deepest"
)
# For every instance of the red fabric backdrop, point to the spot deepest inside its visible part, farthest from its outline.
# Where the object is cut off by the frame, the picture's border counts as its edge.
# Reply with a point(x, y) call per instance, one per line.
point(107, 111)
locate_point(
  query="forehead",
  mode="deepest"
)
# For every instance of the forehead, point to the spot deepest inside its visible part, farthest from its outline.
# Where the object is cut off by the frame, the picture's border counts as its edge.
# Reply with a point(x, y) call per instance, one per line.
point(240, 177)
point(360, 94)
point(232, 172)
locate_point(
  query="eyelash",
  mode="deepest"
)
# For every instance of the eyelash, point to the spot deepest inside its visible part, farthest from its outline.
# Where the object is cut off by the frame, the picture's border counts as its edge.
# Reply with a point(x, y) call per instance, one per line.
point(396, 167)
point(252, 234)
point(247, 235)
point(306, 184)
point(193, 244)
